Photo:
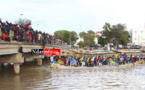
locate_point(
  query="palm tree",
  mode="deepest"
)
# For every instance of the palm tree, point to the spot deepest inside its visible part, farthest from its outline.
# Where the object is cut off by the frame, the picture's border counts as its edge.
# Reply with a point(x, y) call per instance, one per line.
point(106, 33)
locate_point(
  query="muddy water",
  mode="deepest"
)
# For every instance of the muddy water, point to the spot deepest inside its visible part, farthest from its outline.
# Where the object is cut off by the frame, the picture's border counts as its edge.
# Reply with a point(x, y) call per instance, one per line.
point(35, 77)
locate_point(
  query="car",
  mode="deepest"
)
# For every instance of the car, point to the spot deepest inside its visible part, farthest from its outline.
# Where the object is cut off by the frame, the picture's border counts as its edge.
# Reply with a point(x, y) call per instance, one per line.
point(137, 47)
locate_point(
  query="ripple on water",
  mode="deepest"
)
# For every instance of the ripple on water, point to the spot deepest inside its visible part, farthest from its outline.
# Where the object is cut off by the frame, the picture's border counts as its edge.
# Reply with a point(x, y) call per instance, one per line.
point(96, 79)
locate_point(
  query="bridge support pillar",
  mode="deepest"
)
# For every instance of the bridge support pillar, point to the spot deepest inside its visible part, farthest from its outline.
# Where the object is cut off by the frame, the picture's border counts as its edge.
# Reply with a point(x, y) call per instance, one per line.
point(17, 68)
point(39, 61)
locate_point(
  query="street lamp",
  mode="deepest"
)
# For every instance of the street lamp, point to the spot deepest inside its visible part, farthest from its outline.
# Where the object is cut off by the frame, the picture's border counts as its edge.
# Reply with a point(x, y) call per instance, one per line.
point(20, 18)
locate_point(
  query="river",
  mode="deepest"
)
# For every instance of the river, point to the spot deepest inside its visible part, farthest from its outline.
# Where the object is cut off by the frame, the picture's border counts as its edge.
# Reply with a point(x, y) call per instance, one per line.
point(35, 77)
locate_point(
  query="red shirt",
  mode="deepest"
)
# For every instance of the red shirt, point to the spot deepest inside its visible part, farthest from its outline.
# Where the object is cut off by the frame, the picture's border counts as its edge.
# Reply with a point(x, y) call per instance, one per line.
point(27, 25)
point(64, 62)
point(27, 33)
point(97, 59)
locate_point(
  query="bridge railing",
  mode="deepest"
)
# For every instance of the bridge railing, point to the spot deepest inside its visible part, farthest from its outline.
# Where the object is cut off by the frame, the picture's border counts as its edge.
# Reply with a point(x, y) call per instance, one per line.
point(3, 43)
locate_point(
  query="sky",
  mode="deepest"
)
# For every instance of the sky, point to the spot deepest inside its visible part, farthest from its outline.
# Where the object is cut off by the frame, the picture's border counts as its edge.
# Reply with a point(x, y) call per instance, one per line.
point(74, 15)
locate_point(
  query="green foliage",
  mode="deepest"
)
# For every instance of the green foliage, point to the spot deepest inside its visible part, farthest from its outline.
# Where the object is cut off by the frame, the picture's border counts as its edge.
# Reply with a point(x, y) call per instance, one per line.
point(82, 34)
point(81, 44)
point(125, 38)
point(102, 41)
point(88, 38)
point(74, 37)
point(91, 32)
point(63, 35)
point(66, 36)
point(116, 34)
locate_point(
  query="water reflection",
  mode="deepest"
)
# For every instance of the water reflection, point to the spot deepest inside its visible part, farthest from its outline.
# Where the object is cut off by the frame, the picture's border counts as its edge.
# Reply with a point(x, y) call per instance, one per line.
point(42, 78)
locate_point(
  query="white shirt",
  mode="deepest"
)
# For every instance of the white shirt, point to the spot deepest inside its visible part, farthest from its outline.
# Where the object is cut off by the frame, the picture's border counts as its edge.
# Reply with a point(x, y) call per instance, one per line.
point(92, 59)
point(39, 35)
point(51, 58)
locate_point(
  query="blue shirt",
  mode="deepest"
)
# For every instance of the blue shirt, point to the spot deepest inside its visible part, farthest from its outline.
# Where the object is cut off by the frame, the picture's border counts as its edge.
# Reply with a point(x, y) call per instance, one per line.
point(72, 59)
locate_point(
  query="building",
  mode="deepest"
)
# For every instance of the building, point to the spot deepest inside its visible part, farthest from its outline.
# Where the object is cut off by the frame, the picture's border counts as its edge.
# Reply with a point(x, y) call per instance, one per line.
point(137, 36)
point(80, 39)
point(99, 33)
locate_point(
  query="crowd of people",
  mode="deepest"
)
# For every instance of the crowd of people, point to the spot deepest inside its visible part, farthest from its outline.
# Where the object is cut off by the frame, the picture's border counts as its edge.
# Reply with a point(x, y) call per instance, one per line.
point(114, 60)
point(10, 32)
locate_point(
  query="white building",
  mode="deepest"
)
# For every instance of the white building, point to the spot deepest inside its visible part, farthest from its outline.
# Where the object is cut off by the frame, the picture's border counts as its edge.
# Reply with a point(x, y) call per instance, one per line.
point(137, 36)
point(80, 39)
point(99, 33)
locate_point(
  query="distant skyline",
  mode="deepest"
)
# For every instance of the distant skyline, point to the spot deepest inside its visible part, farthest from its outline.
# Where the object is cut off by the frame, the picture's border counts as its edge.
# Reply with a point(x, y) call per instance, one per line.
point(53, 15)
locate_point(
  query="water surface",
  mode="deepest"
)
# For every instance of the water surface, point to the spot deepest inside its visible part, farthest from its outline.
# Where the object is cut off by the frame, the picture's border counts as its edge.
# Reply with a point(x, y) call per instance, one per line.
point(35, 77)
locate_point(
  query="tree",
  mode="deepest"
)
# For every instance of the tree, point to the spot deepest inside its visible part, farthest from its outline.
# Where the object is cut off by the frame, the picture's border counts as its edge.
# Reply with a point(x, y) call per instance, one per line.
point(82, 34)
point(125, 38)
point(63, 35)
point(81, 44)
point(91, 33)
point(116, 34)
point(74, 37)
point(89, 40)
point(102, 41)
point(107, 32)
point(66, 36)
point(120, 34)
point(22, 22)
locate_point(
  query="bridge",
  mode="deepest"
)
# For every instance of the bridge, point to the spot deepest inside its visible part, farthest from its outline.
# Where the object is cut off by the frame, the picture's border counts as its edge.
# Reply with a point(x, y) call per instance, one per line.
point(9, 53)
